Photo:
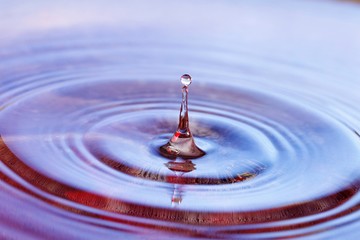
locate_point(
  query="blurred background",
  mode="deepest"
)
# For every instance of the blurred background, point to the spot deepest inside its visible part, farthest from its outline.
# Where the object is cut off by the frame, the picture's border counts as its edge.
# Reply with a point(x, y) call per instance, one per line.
point(322, 34)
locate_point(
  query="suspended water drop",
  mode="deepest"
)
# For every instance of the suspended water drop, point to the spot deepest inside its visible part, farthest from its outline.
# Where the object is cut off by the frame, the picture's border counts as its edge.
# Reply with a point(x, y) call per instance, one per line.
point(182, 143)
point(185, 80)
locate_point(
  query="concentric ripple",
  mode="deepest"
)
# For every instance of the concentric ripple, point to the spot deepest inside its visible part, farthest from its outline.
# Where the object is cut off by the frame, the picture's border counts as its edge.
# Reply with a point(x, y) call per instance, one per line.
point(95, 145)
point(81, 123)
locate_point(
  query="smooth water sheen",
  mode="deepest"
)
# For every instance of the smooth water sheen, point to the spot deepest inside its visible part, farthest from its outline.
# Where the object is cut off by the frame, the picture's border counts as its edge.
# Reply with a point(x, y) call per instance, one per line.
point(85, 107)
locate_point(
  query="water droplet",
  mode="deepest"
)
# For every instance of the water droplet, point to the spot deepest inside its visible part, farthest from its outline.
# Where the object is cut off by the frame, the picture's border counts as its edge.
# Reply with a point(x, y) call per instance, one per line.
point(185, 80)
point(182, 143)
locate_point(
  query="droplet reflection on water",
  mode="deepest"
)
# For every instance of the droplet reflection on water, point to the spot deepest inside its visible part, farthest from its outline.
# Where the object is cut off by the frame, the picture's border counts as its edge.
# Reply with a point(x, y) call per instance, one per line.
point(82, 119)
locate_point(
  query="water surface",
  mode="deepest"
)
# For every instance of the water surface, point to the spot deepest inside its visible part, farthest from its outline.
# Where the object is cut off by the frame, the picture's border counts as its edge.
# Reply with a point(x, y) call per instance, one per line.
point(87, 98)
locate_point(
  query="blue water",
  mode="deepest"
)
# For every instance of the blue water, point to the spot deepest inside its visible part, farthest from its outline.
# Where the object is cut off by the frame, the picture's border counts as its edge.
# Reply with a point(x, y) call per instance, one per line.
point(90, 91)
